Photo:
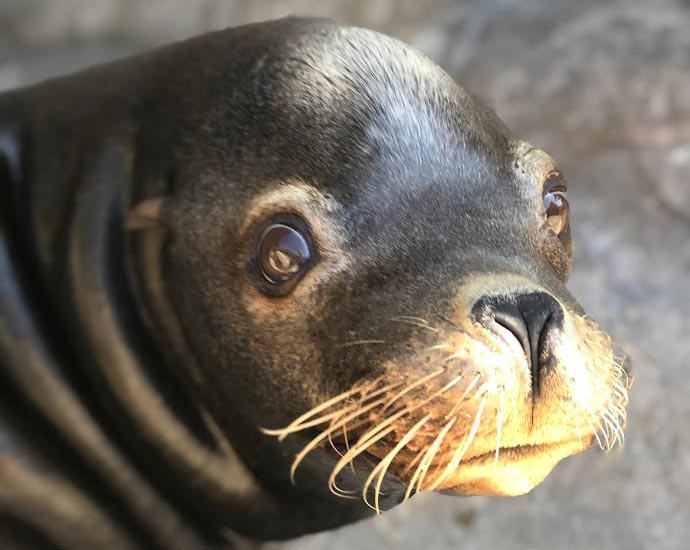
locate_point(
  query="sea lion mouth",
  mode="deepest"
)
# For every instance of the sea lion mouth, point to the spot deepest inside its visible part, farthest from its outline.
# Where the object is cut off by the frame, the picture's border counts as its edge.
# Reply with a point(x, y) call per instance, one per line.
point(518, 452)
point(511, 471)
point(466, 420)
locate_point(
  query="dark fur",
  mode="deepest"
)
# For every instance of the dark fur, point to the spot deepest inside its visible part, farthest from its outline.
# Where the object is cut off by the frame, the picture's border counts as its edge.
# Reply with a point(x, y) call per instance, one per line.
point(427, 177)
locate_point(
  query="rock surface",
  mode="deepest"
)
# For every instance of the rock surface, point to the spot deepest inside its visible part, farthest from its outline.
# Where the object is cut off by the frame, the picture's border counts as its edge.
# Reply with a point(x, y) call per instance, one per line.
point(605, 88)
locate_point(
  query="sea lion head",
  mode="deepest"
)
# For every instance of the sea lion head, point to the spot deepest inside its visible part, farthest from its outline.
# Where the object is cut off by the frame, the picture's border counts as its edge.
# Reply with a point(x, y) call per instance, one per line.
point(370, 273)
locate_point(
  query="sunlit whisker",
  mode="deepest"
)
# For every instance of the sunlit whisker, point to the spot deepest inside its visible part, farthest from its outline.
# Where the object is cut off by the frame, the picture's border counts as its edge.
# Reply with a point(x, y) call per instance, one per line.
point(428, 459)
point(458, 455)
point(594, 431)
point(415, 321)
point(461, 399)
point(460, 353)
point(603, 432)
point(323, 435)
point(320, 420)
point(412, 386)
point(347, 446)
point(282, 432)
point(382, 467)
point(330, 433)
point(618, 431)
point(414, 461)
point(294, 427)
point(357, 449)
point(375, 433)
point(438, 347)
point(610, 429)
point(619, 412)
point(499, 423)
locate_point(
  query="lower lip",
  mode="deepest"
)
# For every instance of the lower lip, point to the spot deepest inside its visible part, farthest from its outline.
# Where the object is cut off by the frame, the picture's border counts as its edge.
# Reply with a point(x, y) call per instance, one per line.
point(519, 451)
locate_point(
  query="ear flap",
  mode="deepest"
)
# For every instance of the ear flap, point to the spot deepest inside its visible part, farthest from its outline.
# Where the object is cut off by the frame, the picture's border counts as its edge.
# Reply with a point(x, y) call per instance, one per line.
point(145, 215)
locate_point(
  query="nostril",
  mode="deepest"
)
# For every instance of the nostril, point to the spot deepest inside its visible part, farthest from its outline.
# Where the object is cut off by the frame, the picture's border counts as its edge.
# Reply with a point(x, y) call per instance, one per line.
point(537, 323)
point(513, 321)
point(533, 319)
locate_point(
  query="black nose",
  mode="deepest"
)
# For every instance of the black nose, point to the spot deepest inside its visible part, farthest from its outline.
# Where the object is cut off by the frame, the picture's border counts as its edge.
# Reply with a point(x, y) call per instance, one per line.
point(534, 319)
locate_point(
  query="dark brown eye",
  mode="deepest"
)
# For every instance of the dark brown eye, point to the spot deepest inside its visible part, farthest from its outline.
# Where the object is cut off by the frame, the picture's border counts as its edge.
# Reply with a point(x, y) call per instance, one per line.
point(284, 254)
point(555, 203)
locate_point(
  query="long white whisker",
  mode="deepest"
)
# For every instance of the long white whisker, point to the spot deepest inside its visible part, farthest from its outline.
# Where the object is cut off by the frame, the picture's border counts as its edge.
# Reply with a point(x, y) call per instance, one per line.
point(415, 321)
point(373, 435)
point(420, 474)
point(412, 386)
point(461, 399)
point(499, 423)
point(458, 455)
point(382, 467)
point(319, 438)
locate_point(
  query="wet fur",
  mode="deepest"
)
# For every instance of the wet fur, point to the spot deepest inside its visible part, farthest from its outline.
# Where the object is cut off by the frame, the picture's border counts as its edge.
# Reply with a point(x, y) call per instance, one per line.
point(136, 340)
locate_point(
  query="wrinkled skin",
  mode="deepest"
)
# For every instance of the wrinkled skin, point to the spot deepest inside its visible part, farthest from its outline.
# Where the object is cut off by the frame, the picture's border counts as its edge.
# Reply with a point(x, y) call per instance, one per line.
point(141, 191)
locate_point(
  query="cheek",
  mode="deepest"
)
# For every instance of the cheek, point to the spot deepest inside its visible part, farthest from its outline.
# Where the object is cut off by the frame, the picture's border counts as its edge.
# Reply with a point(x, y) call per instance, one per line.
point(558, 254)
point(302, 306)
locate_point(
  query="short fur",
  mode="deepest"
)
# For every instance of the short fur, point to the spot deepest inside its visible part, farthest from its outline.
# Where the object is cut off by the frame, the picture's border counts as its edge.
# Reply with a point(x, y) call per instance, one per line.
point(141, 359)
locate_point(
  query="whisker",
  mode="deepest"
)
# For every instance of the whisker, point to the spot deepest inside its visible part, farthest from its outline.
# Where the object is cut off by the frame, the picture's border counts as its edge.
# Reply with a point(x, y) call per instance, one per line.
point(595, 433)
point(373, 434)
point(617, 432)
point(603, 433)
point(428, 459)
point(323, 435)
point(382, 467)
point(314, 411)
point(458, 455)
point(368, 438)
point(367, 394)
point(330, 434)
point(347, 446)
point(620, 413)
point(460, 353)
point(620, 390)
point(451, 323)
point(461, 399)
point(499, 423)
point(360, 343)
point(320, 420)
point(357, 449)
point(414, 461)
point(348, 462)
point(610, 429)
point(410, 318)
point(415, 321)
point(616, 428)
point(296, 426)
point(449, 385)
point(412, 386)
point(438, 347)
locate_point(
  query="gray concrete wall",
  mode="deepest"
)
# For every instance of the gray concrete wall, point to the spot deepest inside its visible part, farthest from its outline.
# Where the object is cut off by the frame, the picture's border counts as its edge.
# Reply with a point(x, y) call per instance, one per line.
point(604, 87)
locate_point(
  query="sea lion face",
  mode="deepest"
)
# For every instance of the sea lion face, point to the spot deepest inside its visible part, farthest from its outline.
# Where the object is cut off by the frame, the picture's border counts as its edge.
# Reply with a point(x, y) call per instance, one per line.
point(367, 267)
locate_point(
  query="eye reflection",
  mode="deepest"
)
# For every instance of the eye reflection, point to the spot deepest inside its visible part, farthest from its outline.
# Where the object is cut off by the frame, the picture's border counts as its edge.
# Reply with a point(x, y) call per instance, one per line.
point(555, 203)
point(284, 253)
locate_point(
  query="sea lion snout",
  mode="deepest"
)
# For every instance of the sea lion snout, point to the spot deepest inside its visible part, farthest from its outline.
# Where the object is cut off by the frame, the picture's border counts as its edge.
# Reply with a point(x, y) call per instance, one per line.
point(534, 319)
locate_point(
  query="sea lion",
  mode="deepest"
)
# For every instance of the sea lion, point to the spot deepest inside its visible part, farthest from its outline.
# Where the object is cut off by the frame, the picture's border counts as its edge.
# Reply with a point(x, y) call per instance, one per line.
point(252, 273)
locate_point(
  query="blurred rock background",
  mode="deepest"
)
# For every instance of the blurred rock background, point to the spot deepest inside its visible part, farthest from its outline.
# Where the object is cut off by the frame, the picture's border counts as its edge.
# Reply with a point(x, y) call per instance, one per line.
point(605, 88)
